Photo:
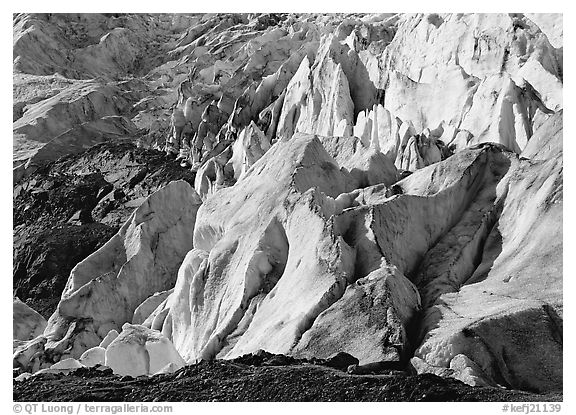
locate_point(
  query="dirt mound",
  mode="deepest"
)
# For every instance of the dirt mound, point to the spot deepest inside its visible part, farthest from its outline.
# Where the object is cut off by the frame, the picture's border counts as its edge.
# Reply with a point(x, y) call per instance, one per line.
point(233, 381)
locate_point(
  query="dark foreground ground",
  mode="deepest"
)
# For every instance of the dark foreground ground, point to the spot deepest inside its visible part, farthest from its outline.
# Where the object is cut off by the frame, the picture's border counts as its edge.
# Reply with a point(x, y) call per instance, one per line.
point(234, 381)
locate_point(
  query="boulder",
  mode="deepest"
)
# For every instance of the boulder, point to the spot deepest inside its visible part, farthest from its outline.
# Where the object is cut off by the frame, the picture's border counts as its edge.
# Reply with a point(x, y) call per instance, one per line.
point(66, 364)
point(341, 360)
point(94, 356)
point(140, 351)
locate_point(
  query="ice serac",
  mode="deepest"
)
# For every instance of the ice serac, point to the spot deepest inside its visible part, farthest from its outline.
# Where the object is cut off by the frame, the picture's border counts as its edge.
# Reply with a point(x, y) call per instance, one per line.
point(104, 290)
point(318, 99)
point(482, 44)
point(247, 149)
point(27, 323)
point(507, 318)
point(112, 334)
point(148, 306)
point(83, 103)
point(498, 73)
point(392, 230)
point(408, 220)
point(318, 268)
point(367, 166)
point(387, 186)
point(546, 143)
point(415, 101)
point(322, 75)
point(491, 288)
point(259, 281)
point(77, 80)
point(551, 25)
point(369, 321)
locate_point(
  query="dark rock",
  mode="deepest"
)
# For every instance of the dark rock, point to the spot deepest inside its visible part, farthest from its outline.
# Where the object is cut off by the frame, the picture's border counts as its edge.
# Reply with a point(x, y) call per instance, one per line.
point(138, 177)
point(119, 194)
point(375, 368)
point(341, 361)
point(402, 174)
point(43, 259)
point(279, 360)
